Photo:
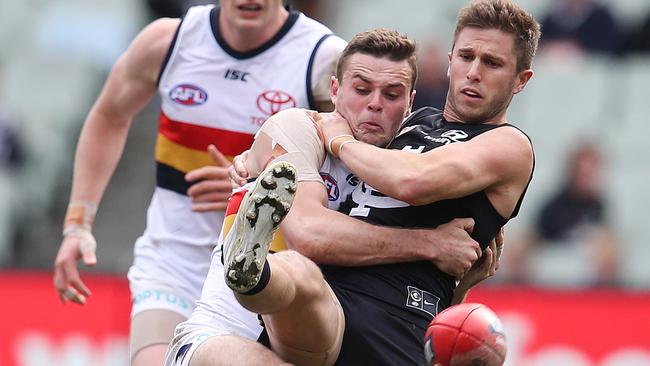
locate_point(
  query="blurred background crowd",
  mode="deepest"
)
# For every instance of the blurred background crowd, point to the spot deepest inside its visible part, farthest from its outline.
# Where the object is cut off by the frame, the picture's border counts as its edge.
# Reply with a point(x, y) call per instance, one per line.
point(583, 221)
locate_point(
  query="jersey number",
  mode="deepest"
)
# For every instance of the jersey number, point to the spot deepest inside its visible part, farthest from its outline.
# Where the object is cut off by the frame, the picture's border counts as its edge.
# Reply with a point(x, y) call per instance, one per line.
point(364, 197)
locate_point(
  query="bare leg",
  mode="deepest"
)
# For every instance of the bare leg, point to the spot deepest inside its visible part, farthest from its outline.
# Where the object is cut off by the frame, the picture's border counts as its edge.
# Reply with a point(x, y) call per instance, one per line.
point(301, 313)
point(150, 355)
point(231, 350)
point(151, 331)
point(297, 306)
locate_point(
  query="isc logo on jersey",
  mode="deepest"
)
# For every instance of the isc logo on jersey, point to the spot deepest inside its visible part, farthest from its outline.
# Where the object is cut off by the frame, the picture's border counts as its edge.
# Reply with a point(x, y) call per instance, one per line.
point(188, 94)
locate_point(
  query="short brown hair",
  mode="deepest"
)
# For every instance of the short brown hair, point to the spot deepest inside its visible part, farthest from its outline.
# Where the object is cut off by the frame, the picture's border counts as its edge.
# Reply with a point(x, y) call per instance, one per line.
point(381, 43)
point(505, 16)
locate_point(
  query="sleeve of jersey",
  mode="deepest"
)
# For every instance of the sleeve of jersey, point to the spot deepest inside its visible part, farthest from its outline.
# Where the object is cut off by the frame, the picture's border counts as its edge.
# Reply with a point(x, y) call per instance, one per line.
point(294, 130)
point(325, 59)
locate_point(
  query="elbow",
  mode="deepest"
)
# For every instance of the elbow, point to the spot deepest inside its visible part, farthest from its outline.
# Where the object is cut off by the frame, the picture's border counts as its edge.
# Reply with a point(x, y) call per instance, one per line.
point(301, 238)
point(301, 245)
point(410, 190)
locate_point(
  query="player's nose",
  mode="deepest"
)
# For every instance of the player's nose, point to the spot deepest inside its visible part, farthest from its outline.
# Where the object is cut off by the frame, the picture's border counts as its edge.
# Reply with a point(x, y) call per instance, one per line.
point(375, 103)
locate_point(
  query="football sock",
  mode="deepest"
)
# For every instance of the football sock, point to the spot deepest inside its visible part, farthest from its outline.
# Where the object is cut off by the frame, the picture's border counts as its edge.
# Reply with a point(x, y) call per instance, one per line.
point(265, 277)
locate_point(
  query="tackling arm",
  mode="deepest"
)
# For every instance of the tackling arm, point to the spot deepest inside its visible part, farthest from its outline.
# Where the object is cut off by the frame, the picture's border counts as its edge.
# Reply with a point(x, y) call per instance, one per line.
point(330, 237)
point(483, 269)
point(500, 157)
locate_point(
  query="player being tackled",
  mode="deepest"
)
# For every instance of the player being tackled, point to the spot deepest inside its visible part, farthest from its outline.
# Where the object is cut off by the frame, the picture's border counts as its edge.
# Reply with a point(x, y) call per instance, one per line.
point(259, 216)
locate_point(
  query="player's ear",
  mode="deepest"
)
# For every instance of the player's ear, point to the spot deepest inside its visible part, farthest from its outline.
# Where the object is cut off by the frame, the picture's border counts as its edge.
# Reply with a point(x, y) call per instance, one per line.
point(411, 99)
point(522, 80)
point(334, 89)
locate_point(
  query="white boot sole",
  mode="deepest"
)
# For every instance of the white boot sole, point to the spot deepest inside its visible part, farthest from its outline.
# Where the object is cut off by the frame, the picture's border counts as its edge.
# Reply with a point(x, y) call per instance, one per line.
point(260, 213)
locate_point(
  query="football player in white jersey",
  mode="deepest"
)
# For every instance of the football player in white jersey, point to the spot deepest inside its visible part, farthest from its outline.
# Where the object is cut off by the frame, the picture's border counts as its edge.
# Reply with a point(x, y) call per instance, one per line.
point(220, 71)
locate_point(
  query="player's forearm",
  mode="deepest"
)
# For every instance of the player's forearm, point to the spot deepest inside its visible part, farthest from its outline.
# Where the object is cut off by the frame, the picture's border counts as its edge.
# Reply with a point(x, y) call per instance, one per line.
point(385, 170)
point(329, 237)
point(407, 176)
point(99, 149)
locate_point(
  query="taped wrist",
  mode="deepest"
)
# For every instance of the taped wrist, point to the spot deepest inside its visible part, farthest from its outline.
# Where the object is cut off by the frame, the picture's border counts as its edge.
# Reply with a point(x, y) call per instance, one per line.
point(79, 216)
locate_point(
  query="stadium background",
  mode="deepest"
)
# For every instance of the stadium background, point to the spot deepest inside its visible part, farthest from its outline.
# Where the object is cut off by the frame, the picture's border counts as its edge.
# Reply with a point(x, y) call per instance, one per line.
point(55, 57)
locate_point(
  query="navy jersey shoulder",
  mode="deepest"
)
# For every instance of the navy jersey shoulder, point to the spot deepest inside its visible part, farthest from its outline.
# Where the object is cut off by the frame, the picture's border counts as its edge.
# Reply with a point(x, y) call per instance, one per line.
point(424, 115)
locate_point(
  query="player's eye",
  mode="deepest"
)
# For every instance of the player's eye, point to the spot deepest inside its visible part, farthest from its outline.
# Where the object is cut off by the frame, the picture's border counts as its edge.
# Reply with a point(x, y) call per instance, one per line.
point(492, 63)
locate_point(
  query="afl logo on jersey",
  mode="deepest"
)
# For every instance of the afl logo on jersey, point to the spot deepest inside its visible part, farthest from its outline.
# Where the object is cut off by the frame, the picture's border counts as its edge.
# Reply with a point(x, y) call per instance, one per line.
point(273, 101)
point(332, 187)
point(188, 94)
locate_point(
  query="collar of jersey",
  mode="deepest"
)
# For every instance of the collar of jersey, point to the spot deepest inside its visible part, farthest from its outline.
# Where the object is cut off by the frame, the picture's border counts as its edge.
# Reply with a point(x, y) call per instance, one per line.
point(214, 22)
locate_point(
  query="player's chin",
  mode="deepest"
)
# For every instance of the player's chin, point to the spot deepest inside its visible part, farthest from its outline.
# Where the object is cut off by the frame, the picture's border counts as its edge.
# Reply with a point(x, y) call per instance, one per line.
point(249, 23)
point(374, 138)
point(472, 114)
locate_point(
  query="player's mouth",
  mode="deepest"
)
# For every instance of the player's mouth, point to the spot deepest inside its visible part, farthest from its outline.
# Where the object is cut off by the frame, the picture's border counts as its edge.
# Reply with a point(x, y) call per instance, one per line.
point(471, 93)
point(250, 9)
point(371, 126)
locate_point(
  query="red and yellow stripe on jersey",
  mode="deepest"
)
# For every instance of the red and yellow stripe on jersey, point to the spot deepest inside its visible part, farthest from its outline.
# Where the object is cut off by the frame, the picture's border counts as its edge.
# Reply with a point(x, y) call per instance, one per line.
point(278, 244)
point(182, 147)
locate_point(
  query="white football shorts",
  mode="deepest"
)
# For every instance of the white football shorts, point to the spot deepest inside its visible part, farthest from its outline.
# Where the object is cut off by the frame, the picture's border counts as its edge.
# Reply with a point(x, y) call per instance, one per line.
point(216, 313)
point(167, 276)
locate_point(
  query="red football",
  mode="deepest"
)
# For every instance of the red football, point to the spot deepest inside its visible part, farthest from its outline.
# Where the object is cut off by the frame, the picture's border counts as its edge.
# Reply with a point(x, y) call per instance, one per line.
point(465, 334)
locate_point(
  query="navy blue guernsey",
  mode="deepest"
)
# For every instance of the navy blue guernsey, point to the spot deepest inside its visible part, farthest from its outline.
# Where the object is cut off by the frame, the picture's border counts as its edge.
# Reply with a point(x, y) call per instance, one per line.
point(416, 291)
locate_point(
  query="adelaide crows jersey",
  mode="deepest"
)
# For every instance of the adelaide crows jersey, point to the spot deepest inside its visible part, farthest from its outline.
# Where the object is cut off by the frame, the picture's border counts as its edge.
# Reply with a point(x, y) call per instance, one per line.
point(212, 94)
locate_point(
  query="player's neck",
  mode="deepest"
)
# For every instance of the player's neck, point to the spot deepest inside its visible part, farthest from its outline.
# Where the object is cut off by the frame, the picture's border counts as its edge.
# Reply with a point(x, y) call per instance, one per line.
point(451, 115)
point(243, 39)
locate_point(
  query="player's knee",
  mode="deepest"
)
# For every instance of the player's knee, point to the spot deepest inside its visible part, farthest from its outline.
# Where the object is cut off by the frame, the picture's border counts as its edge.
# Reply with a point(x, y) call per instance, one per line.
point(307, 276)
point(295, 263)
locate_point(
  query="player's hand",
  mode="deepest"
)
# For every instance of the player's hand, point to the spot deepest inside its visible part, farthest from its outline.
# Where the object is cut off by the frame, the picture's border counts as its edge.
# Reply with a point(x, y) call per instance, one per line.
point(499, 241)
point(237, 171)
point(453, 249)
point(331, 126)
point(483, 269)
point(67, 282)
point(211, 185)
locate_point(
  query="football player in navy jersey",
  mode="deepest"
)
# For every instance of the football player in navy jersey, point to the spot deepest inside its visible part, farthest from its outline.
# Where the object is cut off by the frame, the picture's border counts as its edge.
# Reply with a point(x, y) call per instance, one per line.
point(466, 161)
